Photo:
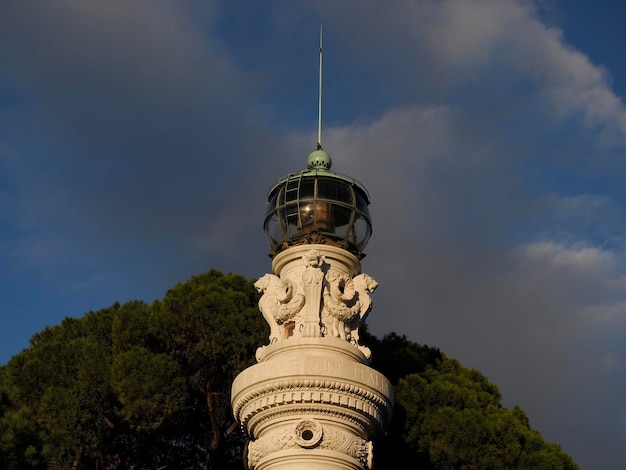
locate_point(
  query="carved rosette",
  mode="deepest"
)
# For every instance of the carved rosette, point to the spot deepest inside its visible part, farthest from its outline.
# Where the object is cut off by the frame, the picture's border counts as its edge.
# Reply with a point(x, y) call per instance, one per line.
point(316, 295)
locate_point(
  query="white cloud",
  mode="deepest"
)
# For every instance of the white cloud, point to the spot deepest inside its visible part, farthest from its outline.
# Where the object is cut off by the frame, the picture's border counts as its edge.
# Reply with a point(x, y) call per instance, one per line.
point(482, 31)
point(556, 258)
point(455, 43)
point(474, 33)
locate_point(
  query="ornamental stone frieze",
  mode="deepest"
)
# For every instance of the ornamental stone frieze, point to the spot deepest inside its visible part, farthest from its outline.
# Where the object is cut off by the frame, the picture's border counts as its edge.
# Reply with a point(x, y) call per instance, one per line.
point(308, 433)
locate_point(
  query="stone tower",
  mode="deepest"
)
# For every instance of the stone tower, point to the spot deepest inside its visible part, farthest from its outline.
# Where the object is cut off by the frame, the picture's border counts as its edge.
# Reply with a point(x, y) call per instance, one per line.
point(311, 402)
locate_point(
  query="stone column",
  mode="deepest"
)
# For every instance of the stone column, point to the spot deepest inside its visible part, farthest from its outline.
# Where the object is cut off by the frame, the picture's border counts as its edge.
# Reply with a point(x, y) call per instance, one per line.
point(311, 401)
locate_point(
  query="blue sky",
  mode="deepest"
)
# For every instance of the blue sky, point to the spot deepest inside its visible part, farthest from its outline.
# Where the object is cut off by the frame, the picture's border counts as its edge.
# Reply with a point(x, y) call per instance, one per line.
point(138, 140)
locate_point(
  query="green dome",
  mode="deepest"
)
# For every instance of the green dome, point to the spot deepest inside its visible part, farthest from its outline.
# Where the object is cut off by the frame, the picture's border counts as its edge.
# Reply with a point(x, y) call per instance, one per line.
point(319, 160)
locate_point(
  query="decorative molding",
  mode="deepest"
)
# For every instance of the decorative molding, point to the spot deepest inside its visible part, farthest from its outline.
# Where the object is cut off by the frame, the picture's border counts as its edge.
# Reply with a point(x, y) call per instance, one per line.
point(349, 444)
point(370, 410)
point(360, 423)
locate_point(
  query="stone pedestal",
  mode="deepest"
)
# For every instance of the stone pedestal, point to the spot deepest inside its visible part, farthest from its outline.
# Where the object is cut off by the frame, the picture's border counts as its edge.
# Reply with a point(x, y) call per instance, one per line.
point(311, 402)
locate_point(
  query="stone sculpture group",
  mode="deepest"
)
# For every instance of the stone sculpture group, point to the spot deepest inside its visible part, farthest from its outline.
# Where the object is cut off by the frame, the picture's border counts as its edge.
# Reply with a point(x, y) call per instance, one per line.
point(314, 301)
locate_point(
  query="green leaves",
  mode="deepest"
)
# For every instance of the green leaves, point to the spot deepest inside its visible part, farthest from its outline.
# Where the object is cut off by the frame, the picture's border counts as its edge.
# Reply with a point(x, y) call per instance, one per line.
point(150, 387)
point(134, 385)
point(452, 418)
point(20, 442)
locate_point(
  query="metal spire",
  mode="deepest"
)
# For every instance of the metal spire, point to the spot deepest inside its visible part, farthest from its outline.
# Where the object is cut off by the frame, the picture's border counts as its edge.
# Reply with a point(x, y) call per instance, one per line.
point(319, 117)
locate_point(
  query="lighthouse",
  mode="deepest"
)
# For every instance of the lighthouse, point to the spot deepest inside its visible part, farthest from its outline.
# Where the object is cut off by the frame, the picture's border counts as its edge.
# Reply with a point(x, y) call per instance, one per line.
point(311, 401)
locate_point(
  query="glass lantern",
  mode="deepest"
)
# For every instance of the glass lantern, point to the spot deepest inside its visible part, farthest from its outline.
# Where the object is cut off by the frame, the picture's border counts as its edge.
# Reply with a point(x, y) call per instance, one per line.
point(318, 205)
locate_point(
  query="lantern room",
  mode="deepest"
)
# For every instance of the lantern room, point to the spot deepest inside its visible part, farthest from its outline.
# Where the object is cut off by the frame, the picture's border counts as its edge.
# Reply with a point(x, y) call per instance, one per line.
point(317, 205)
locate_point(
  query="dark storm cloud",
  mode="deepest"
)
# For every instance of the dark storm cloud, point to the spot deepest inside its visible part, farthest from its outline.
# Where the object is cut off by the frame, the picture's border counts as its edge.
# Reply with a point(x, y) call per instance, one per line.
point(155, 127)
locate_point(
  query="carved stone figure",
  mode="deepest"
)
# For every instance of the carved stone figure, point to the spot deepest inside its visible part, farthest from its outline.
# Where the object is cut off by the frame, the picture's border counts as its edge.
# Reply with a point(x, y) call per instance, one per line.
point(339, 308)
point(346, 305)
point(312, 278)
point(279, 303)
point(364, 285)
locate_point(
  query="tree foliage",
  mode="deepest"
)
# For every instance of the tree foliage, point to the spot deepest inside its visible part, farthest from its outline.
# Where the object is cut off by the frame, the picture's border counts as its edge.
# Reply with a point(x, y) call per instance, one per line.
point(138, 386)
point(449, 417)
point(135, 385)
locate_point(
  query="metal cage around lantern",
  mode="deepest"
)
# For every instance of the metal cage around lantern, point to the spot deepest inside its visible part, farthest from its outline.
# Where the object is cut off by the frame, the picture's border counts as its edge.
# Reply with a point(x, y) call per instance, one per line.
point(318, 206)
